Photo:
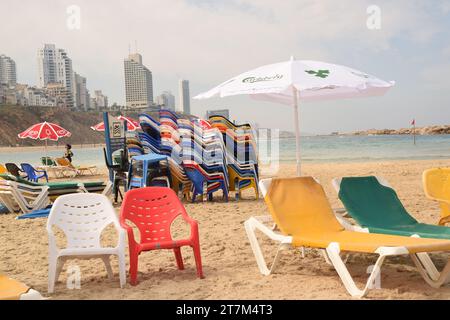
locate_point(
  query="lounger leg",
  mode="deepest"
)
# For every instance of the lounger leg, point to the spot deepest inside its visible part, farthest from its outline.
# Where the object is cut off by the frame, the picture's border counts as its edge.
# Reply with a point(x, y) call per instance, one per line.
point(428, 264)
point(327, 260)
point(430, 278)
point(250, 226)
point(333, 251)
point(108, 266)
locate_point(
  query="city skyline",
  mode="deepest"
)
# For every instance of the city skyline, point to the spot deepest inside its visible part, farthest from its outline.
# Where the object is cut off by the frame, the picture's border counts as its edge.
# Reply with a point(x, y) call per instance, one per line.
point(408, 48)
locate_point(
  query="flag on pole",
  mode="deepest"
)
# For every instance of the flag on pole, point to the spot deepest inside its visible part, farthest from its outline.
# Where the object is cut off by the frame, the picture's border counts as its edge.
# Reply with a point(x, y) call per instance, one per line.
point(413, 123)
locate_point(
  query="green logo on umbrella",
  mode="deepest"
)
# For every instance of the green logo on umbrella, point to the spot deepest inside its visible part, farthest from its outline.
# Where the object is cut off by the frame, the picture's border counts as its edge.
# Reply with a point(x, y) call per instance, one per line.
point(319, 73)
point(259, 79)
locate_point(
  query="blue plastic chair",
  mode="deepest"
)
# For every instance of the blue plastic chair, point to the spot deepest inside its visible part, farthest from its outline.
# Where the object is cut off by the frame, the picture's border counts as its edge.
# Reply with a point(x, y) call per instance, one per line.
point(32, 173)
point(199, 181)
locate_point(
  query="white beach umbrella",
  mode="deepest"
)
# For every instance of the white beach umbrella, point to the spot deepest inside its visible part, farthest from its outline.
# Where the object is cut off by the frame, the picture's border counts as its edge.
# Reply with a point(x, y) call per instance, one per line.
point(300, 80)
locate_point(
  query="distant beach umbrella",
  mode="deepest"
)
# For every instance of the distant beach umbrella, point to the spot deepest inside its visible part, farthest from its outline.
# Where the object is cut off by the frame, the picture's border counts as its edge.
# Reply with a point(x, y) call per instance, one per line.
point(300, 80)
point(132, 125)
point(45, 131)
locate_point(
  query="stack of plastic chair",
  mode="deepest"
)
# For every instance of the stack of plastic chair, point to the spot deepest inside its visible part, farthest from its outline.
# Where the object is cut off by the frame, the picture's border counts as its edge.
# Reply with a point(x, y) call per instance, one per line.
point(170, 146)
point(241, 154)
point(204, 159)
point(134, 146)
point(161, 137)
point(149, 137)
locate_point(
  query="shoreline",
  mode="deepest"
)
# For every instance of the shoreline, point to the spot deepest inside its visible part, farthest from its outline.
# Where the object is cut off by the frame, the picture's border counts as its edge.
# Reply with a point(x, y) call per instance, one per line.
point(17, 149)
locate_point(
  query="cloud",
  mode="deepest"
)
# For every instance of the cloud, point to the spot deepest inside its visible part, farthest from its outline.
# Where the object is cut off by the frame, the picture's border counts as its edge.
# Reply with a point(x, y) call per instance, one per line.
point(208, 42)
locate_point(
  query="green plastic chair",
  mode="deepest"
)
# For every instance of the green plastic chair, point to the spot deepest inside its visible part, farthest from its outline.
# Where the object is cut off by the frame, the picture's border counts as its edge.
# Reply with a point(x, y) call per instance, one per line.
point(376, 206)
point(47, 161)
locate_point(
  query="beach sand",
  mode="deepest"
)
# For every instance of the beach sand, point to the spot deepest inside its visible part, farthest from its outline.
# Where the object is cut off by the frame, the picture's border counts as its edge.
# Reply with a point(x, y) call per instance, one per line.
point(229, 265)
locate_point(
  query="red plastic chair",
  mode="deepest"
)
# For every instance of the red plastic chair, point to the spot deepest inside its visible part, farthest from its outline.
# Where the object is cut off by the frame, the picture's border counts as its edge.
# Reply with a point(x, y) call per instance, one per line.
point(152, 210)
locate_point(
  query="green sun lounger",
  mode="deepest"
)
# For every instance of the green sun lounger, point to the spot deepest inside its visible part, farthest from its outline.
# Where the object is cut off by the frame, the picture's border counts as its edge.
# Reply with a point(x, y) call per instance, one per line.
point(374, 205)
point(59, 188)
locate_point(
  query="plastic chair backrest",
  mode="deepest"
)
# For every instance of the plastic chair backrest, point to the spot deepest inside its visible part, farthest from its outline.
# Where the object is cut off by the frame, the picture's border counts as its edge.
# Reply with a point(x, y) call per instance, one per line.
point(152, 210)
point(372, 204)
point(13, 169)
point(436, 183)
point(29, 170)
point(82, 217)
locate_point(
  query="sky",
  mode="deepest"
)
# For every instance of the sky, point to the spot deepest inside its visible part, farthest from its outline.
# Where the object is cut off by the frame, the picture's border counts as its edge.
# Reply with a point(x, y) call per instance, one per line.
point(208, 42)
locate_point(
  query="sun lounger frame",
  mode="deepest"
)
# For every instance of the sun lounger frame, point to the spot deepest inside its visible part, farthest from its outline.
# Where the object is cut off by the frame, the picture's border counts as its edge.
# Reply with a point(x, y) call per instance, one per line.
point(423, 262)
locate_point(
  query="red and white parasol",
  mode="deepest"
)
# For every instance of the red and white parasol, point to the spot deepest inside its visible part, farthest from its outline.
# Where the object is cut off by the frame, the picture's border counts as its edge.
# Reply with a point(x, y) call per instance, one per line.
point(45, 131)
point(132, 125)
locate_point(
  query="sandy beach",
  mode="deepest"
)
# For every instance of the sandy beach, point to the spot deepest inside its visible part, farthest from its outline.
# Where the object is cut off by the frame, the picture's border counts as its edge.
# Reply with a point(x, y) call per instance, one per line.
point(229, 265)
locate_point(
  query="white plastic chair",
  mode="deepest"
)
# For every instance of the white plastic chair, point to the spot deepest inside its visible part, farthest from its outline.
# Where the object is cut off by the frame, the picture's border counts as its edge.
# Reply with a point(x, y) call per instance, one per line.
point(82, 217)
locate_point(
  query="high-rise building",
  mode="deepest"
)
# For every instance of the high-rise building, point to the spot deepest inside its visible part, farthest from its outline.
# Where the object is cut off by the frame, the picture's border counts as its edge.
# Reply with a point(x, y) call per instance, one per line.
point(101, 100)
point(80, 93)
point(185, 100)
point(166, 100)
point(8, 74)
point(138, 83)
point(54, 66)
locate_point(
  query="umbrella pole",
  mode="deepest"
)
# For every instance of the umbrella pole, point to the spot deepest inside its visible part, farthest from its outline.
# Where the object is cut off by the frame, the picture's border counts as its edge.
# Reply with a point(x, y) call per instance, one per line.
point(297, 131)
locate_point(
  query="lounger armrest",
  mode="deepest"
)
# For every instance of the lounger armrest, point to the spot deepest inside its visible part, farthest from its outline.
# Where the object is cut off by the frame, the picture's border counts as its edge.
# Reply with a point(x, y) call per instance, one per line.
point(254, 223)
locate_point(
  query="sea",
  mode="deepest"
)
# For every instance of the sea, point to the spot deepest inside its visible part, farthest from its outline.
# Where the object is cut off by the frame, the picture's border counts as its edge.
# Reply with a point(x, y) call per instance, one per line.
point(313, 149)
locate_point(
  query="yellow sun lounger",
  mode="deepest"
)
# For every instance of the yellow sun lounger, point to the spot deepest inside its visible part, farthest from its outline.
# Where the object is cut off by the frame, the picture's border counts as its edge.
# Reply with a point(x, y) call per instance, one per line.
point(436, 184)
point(301, 210)
point(11, 289)
point(79, 170)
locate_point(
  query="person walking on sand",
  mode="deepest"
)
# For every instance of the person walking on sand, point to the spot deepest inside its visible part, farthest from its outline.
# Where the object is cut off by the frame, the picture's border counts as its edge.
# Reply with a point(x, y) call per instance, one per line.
point(68, 154)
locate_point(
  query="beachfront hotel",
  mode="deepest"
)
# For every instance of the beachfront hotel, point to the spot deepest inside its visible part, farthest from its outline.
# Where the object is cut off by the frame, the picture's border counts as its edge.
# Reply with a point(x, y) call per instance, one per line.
point(7, 71)
point(184, 105)
point(55, 66)
point(138, 83)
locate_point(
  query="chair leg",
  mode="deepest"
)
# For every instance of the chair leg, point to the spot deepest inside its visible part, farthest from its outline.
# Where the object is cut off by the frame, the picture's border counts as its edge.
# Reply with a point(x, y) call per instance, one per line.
point(59, 266)
point(52, 263)
point(122, 272)
point(133, 268)
point(108, 266)
point(179, 258)
point(198, 260)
